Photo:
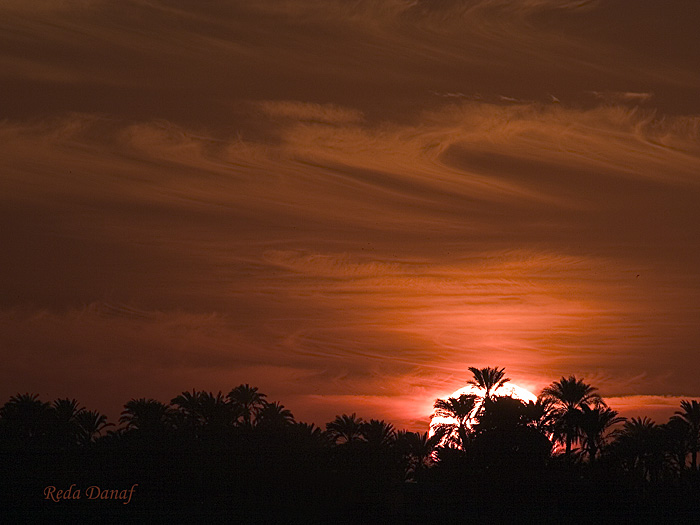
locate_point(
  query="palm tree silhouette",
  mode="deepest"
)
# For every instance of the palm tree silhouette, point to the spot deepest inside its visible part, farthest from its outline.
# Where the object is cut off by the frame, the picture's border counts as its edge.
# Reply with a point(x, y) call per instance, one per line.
point(690, 414)
point(66, 412)
point(189, 406)
point(90, 425)
point(541, 415)
point(639, 445)
point(147, 415)
point(248, 401)
point(418, 449)
point(274, 416)
point(66, 409)
point(26, 417)
point(347, 429)
point(502, 413)
point(506, 437)
point(207, 413)
point(676, 442)
point(594, 424)
point(489, 379)
point(378, 433)
point(217, 412)
point(310, 434)
point(568, 397)
point(461, 409)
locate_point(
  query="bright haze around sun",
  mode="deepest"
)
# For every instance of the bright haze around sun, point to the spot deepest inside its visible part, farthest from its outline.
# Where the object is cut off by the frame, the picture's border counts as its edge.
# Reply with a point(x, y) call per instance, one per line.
point(507, 390)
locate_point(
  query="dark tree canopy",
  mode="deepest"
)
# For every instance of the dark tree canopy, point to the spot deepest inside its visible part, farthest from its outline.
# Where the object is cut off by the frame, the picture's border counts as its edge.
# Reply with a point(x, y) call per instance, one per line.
point(209, 456)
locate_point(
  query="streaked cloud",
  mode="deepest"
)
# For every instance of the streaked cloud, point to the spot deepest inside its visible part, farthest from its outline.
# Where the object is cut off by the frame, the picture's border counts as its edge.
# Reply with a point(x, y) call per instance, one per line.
point(328, 114)
point(346, 203)
point(623, 97)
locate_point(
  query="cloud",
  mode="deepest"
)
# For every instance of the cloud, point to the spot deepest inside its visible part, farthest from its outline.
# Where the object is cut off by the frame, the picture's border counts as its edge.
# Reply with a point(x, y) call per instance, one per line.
point(288, 192)
point(481, 234)
point(327, 113)
point(104, 351)
point(203, 63)
point(50, 6)
point(657, 408)
point(449, 95)
point(333, 266)
point(622, 97)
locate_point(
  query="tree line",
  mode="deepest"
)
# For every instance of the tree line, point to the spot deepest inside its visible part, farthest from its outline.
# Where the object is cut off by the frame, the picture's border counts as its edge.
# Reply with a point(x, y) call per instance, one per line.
point(240, 457)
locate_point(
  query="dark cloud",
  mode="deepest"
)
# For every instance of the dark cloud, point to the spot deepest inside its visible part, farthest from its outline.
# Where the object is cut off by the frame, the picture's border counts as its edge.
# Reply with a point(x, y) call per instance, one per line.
point(347, 203)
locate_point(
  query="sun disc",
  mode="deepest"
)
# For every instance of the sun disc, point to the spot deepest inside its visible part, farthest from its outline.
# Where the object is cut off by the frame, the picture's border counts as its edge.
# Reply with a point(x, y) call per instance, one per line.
point(509, 389)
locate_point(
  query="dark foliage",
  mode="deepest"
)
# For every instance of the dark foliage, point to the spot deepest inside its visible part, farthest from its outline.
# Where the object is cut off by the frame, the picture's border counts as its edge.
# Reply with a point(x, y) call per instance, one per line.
point(239, 458)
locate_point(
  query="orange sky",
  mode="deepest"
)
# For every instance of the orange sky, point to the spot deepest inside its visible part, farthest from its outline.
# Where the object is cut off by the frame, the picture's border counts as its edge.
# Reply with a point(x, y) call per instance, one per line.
point(347, 203)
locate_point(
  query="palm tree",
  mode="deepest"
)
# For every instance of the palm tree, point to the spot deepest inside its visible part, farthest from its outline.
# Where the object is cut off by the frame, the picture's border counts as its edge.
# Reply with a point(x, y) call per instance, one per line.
point(147, 415)
point(345, 428)
point(488, 379)
point(66, 412)
point(26, 417)
point(66, 409)
point(568, 397)
point(541, 415)
point(594, 424)
point(506, 438)
point(676, 444)
point(310, 435)
point(502, 413)
point(274, 415)
point(640, 447)
point(216, 412)
point(205, 412)
point(418, 450)
point(90, 424)
point(189, 406)
point(461, 409)
point(378, 433)
point(690, 414)
point(248, 401)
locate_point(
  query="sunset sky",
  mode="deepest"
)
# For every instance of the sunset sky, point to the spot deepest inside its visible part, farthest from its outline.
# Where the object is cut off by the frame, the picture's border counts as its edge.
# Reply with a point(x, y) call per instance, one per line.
point(347, 203)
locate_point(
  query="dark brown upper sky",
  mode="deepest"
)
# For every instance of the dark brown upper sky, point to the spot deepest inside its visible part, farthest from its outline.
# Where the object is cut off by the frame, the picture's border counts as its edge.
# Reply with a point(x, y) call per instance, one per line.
point(347, 203)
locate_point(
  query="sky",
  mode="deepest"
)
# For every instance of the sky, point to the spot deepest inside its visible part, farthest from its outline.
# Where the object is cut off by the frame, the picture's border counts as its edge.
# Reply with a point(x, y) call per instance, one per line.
point(347, 203)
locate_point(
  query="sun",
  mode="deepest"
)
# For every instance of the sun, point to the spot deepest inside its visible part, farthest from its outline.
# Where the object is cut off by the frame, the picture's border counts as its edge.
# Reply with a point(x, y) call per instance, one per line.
point(509, 389)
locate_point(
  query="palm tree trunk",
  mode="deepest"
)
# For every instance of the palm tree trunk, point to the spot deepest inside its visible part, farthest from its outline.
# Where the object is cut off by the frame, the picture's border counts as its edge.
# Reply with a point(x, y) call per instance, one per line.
point(592, 453)
point(463, 436)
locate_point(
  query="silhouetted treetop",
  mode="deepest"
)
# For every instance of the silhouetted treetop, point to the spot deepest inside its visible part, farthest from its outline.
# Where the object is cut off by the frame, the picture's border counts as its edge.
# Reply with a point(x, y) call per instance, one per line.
point(487, 378)
point(345, 428)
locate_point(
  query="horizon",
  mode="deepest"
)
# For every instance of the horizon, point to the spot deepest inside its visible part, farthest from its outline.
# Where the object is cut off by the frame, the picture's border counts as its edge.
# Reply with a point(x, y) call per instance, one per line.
point(659, 408)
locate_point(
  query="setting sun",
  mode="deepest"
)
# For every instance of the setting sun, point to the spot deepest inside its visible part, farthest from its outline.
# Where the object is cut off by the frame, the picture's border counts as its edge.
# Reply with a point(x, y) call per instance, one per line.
point(509, 389)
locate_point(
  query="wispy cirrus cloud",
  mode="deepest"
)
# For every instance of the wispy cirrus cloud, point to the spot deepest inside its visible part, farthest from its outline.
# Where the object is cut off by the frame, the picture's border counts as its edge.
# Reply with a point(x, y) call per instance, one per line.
point(302, 111)
point(623, 97)
point(348, 202)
